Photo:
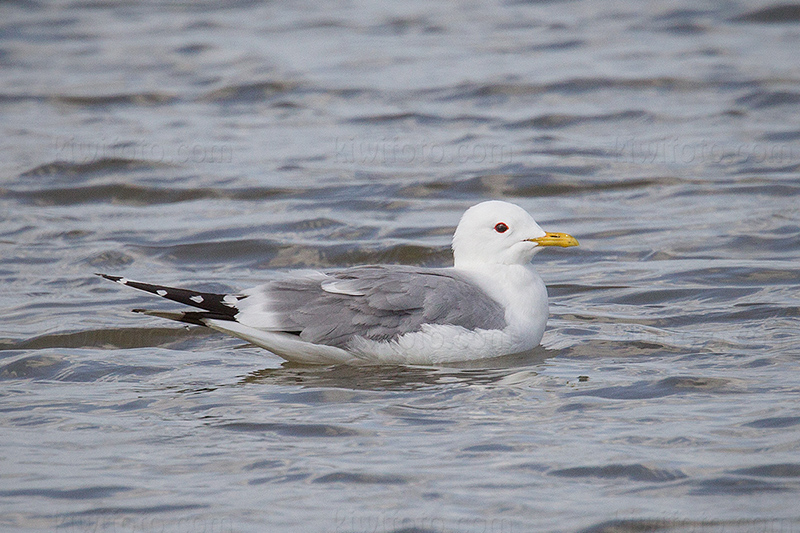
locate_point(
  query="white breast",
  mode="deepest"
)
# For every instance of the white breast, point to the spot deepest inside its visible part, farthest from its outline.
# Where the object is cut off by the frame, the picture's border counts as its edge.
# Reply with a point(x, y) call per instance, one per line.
point(523, 294)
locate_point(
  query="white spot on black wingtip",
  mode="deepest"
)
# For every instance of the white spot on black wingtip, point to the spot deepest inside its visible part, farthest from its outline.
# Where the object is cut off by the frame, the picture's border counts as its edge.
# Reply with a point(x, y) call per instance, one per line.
point(161, 292)
point(196, 298)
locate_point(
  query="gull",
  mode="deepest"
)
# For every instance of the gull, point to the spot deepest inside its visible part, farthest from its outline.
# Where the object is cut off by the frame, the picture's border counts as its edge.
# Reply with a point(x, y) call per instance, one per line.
point(490, 303)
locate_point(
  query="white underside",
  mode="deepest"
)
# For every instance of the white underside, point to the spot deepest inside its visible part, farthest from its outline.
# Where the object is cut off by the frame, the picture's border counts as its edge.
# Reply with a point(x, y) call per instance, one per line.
point(432, 345)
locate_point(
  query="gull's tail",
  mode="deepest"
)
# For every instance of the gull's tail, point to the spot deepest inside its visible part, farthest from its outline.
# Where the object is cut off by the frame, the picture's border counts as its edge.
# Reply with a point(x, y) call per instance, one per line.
point(215, 306)
point(219, 312)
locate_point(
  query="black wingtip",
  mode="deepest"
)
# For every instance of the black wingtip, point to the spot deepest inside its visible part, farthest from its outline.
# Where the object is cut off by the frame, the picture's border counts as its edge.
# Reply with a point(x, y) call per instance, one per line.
point(108, 277)
point(196, 318)
point(217, 304)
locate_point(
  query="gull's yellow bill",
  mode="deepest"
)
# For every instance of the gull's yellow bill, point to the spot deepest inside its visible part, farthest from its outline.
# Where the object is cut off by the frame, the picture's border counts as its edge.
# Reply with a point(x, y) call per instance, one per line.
point(556, 239)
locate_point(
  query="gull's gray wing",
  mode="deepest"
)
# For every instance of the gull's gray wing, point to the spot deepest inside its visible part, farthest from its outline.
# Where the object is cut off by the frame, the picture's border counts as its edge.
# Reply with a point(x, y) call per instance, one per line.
point(375, 302)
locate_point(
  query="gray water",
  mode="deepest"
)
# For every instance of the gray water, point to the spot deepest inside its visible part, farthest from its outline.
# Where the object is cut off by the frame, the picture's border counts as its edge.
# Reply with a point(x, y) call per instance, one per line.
point(208, 144)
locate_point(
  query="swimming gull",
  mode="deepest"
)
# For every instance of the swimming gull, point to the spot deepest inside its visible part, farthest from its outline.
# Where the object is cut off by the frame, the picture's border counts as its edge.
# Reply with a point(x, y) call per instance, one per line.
point(490, 303)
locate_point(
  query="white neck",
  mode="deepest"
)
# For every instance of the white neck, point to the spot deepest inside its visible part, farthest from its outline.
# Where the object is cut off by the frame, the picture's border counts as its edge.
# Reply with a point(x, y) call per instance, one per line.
point(517, 287)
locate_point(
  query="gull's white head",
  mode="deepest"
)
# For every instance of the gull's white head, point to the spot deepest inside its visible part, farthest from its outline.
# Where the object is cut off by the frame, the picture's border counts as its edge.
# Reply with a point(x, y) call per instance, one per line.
point(496, 232)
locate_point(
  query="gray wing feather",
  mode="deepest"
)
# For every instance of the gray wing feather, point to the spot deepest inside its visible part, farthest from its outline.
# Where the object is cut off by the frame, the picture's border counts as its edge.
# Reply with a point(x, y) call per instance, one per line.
point(379, 303)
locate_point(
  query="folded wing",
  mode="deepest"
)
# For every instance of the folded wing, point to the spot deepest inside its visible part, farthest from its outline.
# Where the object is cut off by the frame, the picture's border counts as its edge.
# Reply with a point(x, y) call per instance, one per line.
point(378, 303)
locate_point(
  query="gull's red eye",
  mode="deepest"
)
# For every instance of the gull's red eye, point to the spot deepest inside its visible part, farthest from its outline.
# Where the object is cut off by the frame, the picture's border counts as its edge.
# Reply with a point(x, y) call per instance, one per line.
point(500, 227)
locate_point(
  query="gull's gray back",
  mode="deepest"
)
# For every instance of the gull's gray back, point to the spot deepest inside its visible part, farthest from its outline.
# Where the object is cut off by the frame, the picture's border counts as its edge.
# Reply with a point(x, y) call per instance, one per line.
point(375, 302)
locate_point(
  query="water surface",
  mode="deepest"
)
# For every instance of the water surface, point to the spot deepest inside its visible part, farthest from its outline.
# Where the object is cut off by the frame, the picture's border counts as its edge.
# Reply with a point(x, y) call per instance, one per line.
point(208, 144)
